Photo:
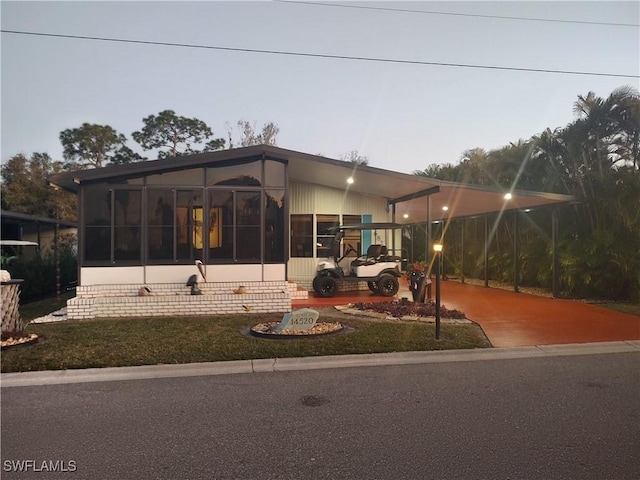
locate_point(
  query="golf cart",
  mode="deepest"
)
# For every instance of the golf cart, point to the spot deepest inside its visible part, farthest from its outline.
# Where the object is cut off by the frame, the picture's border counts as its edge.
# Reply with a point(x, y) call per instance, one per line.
point(377, 267)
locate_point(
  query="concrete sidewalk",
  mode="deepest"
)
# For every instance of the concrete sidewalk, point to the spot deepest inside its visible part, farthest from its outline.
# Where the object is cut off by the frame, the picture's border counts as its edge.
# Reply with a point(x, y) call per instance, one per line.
point(54, 377)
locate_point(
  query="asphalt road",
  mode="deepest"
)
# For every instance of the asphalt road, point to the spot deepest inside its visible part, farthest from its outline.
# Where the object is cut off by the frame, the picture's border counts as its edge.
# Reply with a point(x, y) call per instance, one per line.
point(574, 417)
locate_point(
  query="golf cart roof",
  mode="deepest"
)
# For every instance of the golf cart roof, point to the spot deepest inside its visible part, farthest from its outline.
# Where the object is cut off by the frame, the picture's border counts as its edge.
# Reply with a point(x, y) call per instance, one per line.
point(366, 226)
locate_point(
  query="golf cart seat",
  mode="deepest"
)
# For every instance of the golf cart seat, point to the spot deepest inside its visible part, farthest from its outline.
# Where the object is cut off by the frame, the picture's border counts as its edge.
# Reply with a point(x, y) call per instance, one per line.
point(374, 252)
point(385, 257)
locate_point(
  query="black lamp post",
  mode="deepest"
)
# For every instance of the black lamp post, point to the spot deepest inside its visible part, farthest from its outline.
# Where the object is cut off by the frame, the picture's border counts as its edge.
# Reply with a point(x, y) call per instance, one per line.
point(437, 248)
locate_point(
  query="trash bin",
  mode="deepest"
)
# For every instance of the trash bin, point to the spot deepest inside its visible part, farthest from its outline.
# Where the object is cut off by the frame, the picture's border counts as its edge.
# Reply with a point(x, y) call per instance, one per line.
point(420, 286)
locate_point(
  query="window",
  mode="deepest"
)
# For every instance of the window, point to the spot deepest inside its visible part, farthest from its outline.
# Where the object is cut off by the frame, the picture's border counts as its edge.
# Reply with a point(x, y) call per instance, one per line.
point(302, 239)
point(352, 237)
point(220, 221)
point(127, 225)
point(274, 174)
point(112, 225)
point(189, 213)
point(174, 219)
point(302, 235)
point(189, 177)
point(160, 218)
point(96, 213)
point(248, 238)
point(246, 174)
point(274, 226)
point(324, 242)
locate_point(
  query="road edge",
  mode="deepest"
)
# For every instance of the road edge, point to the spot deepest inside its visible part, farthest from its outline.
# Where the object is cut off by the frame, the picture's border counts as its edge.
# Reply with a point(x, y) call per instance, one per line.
point(58, 377)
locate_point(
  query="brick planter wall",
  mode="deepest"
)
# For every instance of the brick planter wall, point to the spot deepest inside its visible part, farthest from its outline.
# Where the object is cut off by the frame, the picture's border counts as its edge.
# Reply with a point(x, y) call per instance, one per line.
point(173, 299)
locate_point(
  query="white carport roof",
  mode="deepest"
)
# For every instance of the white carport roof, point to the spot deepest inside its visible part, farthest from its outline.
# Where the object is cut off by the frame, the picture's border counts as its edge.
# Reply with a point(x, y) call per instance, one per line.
point(463, 200)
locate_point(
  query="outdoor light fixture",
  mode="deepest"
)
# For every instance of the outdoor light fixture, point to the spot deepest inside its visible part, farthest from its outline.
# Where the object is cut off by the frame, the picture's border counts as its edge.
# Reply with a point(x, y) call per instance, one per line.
point(437, 247)
point(350, 180)
point(508, 196)
point(406, 215)
point(445, 208)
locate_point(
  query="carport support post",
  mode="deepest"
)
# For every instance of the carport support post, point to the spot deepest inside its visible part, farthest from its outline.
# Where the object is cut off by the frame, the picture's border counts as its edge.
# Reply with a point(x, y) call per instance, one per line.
point(393, 232)
point(486, 251)
point(427, 253)
point(555, 280)
point(516, 266)
point(462, 252)
point(438, 301)
point(56, 253)
point(437, 249)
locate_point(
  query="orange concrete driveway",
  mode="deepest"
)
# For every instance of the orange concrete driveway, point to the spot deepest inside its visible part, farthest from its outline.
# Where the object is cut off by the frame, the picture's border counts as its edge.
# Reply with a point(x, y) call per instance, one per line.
point(516, 319)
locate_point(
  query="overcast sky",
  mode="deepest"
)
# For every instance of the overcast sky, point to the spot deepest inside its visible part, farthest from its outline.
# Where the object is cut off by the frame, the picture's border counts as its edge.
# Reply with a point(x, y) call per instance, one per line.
point(401, 116)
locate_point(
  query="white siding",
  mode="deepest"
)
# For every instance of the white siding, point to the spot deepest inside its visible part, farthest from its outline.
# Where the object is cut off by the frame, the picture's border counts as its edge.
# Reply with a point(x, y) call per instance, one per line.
point(317, 199)
point(309, 198)
point(111, 275)
point(153, 274)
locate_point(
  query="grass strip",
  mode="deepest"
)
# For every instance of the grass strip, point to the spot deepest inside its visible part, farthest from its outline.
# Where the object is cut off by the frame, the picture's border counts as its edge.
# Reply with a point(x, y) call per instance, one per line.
point(175, 340)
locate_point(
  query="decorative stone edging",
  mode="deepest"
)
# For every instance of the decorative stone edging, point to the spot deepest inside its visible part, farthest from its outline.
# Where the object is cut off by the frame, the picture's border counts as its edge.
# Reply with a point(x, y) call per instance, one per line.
point(21, 341)
point(407, 318)
point(323, 329)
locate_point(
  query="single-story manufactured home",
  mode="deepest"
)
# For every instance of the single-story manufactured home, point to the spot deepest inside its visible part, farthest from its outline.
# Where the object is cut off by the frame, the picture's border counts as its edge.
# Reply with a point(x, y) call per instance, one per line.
point(255, 216)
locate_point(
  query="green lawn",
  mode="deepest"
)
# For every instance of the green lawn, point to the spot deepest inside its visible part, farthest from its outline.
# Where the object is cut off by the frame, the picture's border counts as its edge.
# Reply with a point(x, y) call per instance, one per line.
point(151, 341)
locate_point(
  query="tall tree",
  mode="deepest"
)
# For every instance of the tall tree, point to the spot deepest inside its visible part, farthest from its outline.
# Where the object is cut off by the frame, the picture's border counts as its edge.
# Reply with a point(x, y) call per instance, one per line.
point(93, 145)
point(175, 135)
point(249, 136)
point(594, 158)
point(354, 157)
point(611, 126)
point(445, 171)
point(25, 189)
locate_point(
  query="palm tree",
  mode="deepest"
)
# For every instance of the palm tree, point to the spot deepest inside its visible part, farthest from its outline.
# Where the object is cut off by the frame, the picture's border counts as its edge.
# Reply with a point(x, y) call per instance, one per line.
point(612, 126)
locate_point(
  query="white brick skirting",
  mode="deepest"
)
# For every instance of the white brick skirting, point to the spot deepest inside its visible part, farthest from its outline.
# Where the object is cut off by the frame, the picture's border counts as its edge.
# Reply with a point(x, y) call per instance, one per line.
point(174, 299)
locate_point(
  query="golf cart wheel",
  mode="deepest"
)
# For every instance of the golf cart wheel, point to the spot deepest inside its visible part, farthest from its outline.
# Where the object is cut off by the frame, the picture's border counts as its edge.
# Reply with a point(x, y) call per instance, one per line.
point(316, 288)
point(327, 286)
point(373, 286)
point(388, 285)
